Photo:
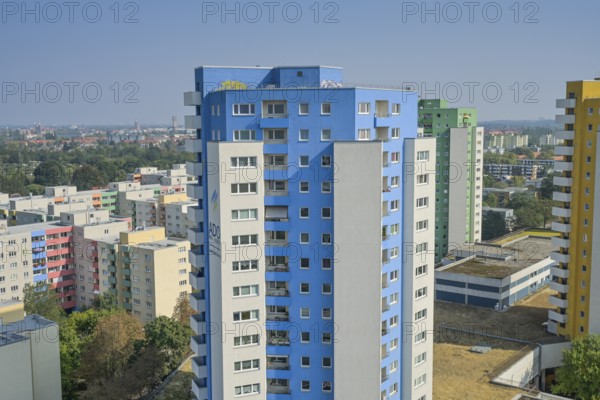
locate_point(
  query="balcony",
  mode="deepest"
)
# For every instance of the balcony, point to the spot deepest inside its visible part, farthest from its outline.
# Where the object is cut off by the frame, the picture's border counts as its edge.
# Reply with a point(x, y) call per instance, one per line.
point(278, 316)
point(563, 166)
point(383, 120)
point(561, 212)
point(194, 168)
point(278, 292)
point(112, 279)
point(196, 236)
point(278, 386)
point(554, 316)
point(198, 345)
point(560, 242)
point(112, 268)
point(278, 338)
point(196, 259)
point(563, 151)
point(565, 119)
point(558, 302)
point(559, 287)
point(561, 196)
point(199, 388)
point(565, 135)
point(197, 323)
point(566, 103)
point(199, 366)
point(197, 281)
point(128, 306)
point(559, 272)
point(193, 122)
point(274, 121)
point(553, 327)
point(385, 306)
point(560, 227)
point(195, 191)
point(278, 268)
point(193, 146)
point(197, 302)
point(562, 181)
point(195, 215)
point(127, 271)
point(278, 363)
point(560, 257)
point(192, 99)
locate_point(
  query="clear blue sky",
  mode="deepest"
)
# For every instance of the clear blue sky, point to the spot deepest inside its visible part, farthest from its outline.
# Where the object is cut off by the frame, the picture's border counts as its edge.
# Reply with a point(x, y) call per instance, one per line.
point(374, 41)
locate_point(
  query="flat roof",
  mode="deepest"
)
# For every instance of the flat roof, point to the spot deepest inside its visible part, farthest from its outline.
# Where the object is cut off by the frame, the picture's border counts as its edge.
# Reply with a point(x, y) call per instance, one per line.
point(15, 331)
point(501, 262)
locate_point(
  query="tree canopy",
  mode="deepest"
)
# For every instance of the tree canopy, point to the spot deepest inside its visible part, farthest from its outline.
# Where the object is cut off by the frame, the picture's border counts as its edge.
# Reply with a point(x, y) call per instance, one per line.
point(580, 375)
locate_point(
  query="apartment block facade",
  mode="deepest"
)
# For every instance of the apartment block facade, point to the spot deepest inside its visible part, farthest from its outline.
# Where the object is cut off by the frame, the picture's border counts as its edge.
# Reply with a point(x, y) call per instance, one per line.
point(312, 245)
point(459, 173)
point(146, 271)
point(578, 247)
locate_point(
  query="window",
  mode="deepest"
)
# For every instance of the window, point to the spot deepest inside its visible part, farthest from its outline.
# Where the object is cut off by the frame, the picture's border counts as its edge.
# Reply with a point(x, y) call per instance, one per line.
point(303, 161)
point(304, 288)
point(305, 361)
point(395, 157)
point(393, 298)
point(275, 134)
point(326, 187)
point(247, 365)
point(305, 386)
point(303, 135)
point(304, 312)
point(394, 229)
point(243, 188)
point(247, 265)
point(326, 109)
point(304, 187)
point(326, 313)
point(304, 212)
point(393, 344)
point(421, 270)
point(326, 238)
point(394, 321)
point(420, 337)
point(364, 108)
point(422, 202)
point(422, 225)
point(364, 134)
point(421, 247)
point(304, 237)
point(326, 387)
point(326, 263)
point(304, 263)
point(243, 162)
point(421, 358)
point(420, 380)
point(394, 275)
point(243, 109)
point(245, 316)
point(394, 366)
point(325, 161)
point(423, 156)
point(303, 109)
point(395, 133)
point(394, 205)
point(422, 179)
point(420, 293)
point(326, 362)
point(326, 338)
point(325, 134)
point(326, 213)
point(276, 186)
point(326, 288)
point(305, 337)
point(248, 290)
point(244, 215)
point(394, 252)
point(395, 109)
point(247, 389)
point(277, 108)
point(242, 240)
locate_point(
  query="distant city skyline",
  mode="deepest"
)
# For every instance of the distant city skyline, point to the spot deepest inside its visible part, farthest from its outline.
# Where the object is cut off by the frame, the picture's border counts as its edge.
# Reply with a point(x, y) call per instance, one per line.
point(58, 68)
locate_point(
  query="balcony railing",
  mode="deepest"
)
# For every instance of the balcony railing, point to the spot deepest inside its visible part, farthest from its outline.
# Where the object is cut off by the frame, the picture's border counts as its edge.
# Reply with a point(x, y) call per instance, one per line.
point(278, 292)
point(278, 365)
point(278, 316)
point(278, 268)
point(278, 341)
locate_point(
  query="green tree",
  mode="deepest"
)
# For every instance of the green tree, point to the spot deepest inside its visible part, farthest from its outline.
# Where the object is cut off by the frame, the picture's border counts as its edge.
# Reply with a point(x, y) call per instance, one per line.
point(88, 177)
point(183, 311)
point(488, 181)
point(518, 181)
point(547, 189)
point(35, 189)
point(545, 209)
point(490, 200)
point(105, 301)
point(579, 377)
point(170, 337)
point(493, 225)
point(51, 173)
point(41, 300)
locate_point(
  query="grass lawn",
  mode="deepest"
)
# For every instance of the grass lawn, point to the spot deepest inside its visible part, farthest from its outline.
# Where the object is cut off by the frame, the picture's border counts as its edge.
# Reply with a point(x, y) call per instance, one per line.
point(180, 386)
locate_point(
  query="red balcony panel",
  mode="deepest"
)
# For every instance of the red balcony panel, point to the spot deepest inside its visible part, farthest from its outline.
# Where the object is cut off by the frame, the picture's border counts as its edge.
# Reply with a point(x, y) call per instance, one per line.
point(68, 304)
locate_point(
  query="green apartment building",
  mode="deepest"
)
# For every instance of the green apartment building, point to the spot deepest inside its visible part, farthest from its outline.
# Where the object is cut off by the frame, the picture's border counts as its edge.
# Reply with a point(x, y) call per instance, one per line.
point(459, 173)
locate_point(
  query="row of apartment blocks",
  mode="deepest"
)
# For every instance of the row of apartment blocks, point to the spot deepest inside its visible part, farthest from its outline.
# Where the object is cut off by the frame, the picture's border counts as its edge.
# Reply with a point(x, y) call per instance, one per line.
point(86, 253)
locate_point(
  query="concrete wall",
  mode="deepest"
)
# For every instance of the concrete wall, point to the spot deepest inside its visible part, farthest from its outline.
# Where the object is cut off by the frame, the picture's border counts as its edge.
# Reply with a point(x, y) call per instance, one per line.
point(457, 196)
point(357, 275)
point(594, 323)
